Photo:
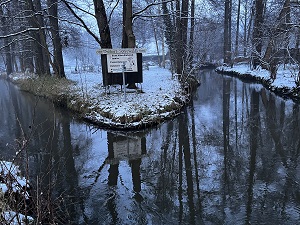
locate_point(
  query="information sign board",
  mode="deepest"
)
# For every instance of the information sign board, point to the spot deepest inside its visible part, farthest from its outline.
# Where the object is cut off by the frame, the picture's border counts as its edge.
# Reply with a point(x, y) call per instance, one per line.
point(115, 62)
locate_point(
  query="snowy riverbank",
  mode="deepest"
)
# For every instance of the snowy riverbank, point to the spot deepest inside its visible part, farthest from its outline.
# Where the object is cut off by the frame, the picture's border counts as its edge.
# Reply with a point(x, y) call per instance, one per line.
point(284, 85)
point(159, 97)
point(13, 192)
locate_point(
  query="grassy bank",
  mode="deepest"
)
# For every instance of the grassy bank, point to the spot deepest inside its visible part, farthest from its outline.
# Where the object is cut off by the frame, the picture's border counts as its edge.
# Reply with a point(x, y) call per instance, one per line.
point(159, 99)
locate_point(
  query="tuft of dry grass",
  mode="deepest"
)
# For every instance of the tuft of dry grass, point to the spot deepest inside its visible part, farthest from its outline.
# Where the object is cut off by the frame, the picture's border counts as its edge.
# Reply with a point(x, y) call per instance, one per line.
point(49, 87)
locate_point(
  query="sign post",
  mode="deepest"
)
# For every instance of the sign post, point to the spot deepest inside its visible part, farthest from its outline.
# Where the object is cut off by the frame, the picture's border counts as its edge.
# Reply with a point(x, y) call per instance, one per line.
point(124, 84)
point(121, 64)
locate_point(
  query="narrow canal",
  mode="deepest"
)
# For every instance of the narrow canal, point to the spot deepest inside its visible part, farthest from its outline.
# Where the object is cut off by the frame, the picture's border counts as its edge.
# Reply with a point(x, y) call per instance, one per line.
point(231, 157)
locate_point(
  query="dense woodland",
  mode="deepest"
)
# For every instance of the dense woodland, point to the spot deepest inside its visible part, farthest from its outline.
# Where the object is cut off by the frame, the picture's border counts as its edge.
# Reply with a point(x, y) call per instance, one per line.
point(37, 34)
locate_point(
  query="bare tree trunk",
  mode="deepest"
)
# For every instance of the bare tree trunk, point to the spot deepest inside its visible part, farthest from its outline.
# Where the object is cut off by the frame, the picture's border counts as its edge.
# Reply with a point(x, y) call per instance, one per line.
point(58, 64)
point(191, 42)
point(245, 30)
point(237, 29)
point(102, 22)
point(156, 41)
point(27, 56)
point(163, 50)
point(41, 54)
point(128, 40)
point(7, 50)
point(14, 56)
point(169, 34)
point(162, 39)
point(42, 45)
point(184, 29)
point(128, 36)
point(178, 45)
point(257, 33)
point(227, 32)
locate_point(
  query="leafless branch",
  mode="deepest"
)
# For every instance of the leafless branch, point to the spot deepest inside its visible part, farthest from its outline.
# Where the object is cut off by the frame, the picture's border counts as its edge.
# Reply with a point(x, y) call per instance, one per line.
point(22, 32)
point(77, 7)
point(82, 22)
point(150, 5)
point(110, 15)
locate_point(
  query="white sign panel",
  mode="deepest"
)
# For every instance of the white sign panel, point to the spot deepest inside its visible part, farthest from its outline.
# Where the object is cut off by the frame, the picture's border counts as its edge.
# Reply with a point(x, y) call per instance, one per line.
point(115, 62)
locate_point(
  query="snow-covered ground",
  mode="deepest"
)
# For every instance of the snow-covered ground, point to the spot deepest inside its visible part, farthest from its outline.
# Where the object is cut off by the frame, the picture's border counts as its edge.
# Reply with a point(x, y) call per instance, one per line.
point(158, 97)
point(12, 182)
point(285, 76)
point(284, 84)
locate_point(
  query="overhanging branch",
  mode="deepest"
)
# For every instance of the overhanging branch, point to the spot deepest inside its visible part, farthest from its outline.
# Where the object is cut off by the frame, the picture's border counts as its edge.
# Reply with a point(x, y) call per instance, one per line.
point(150, 5)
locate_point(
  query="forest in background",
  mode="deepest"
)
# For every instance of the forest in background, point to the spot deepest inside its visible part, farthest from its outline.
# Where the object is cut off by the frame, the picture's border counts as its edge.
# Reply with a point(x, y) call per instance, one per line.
point(38, 35)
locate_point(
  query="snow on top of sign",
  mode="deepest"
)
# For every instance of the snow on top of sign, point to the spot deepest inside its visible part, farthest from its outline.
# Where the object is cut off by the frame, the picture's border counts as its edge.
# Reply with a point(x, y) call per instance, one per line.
point(120, 50)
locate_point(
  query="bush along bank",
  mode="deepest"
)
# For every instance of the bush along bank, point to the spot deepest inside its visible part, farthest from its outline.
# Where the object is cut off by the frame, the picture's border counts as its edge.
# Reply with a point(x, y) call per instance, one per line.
point(285, 91)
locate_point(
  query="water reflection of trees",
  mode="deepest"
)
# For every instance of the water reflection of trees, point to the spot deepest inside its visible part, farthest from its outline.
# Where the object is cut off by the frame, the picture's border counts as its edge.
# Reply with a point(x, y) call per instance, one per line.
point(250, 178)
point(231, 157)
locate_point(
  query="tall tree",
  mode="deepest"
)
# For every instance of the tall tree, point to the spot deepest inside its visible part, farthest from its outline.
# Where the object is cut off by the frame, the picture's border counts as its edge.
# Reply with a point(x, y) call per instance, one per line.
point(128, 40)
point(103, 25)
point(169, 32)
point(58, 64)
point(5, 29)
point(191, 42)
point(237, 29)
point(178, 46)
point(102, 22)
point(33, 12)
point(227, 32)
point(184, 31)
point(257, 33)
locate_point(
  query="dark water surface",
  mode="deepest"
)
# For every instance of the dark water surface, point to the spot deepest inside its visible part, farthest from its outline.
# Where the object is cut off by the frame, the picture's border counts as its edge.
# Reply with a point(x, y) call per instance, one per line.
point(232, 157)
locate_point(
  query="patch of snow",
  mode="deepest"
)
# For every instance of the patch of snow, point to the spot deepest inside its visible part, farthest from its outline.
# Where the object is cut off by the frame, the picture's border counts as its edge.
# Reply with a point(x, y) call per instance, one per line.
point(157, 92)
point(11, 180)
point(14, 218)
point(285, 76)
point(11, 174)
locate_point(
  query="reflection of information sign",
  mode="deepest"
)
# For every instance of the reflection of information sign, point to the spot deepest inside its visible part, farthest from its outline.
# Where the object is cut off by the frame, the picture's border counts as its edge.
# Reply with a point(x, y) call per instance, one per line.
point(127, 148)
point(122, 146)
point(115, 62)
